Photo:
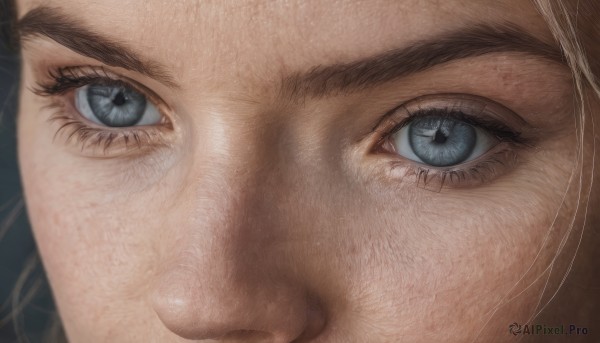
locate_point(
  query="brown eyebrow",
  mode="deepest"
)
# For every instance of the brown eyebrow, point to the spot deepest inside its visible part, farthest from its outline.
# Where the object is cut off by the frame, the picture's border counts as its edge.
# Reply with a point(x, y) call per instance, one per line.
point(471, 41)
point(52, 23)
point(321, 80)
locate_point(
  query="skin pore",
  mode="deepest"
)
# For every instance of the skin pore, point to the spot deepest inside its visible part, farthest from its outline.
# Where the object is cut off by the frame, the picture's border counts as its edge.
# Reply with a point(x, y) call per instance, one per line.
point(266, 206)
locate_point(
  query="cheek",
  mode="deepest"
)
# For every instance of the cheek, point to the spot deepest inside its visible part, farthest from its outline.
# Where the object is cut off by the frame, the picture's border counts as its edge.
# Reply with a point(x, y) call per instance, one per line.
point(92, 261)
point(469, 264)
point(98, 270)
point(457, 289)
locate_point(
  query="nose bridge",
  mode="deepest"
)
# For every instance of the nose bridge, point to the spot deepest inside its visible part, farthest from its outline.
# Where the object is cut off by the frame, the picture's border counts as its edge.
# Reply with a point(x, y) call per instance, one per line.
point(225, 232)
point(233, 189)
point(235, 154)
point(223, 218)
point(238, 168)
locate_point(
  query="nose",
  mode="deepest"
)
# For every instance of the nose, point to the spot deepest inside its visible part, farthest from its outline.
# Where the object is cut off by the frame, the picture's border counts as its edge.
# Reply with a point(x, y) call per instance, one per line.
point(228, 277)
point(200, 308)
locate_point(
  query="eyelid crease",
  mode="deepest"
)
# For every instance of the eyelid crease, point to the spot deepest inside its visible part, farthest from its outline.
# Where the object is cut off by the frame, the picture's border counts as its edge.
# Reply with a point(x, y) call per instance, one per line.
point(472, 109)
point(89, 136)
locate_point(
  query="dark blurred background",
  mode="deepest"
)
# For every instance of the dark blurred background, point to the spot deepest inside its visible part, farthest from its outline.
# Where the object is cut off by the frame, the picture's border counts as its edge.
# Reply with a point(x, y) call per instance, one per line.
point(16, 241)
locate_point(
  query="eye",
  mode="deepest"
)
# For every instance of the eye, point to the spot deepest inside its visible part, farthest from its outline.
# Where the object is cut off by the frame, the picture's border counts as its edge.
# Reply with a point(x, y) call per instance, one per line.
point(441, 140)
point(115, 105)
point(451, 140)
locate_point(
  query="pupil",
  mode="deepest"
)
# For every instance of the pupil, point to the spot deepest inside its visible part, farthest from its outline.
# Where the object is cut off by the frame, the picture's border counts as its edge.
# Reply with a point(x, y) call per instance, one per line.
point(119, 99)
point(439, 138)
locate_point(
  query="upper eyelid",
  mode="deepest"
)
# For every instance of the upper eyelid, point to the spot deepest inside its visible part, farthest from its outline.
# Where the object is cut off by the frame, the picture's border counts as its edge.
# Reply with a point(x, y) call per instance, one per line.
point(474, 120)
point(492, 110)
point(493, 115)
point(102, 73)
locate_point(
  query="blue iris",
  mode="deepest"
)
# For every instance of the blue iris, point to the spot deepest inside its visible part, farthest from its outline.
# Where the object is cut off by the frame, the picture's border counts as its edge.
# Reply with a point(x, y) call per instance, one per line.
point(440, 141)
point(116, 106)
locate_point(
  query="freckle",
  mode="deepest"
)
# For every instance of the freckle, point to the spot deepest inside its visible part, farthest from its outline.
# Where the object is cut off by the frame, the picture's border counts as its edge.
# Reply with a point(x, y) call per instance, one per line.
point(92, 204)
point(56, 220)
point(505, 76)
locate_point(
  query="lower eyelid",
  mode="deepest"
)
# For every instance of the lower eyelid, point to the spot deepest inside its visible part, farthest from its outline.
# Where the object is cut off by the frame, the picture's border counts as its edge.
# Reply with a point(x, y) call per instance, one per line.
point(99, 142)
point(498, 161)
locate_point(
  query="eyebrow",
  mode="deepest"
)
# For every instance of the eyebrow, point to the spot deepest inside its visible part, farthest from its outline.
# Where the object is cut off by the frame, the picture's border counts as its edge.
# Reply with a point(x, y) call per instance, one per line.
point(321, 80)
point(470, 41)
point(52, 23)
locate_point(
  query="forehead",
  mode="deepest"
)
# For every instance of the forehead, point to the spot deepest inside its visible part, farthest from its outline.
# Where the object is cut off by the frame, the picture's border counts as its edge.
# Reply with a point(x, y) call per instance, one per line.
point(227, 39)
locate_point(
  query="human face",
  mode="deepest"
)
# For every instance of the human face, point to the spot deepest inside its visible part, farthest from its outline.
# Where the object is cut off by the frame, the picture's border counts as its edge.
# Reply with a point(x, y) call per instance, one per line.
point(276, 189)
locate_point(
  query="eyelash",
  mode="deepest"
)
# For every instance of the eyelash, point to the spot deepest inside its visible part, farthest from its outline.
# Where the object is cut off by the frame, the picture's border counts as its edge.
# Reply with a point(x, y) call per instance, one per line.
point(66, 79)
point(499, 158)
